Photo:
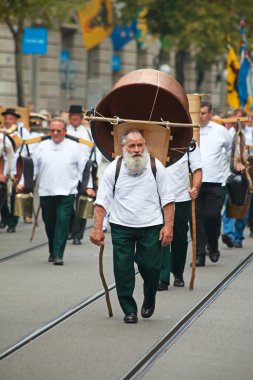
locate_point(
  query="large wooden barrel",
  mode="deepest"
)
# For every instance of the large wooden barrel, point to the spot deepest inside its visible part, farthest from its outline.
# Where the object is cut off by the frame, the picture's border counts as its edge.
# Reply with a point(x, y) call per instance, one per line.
point(145, 94)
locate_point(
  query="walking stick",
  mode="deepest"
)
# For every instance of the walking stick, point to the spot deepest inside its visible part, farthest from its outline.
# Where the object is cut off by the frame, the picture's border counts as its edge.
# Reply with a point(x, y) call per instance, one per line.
point(107, 296)
point(193, 244)
point(35, 224)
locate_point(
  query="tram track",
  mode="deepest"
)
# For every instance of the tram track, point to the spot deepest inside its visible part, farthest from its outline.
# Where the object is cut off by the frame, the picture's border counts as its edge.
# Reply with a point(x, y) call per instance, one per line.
point(54, 322)
point(26, 250)
point(140, 368)
point(22, 252)
point(160, 347)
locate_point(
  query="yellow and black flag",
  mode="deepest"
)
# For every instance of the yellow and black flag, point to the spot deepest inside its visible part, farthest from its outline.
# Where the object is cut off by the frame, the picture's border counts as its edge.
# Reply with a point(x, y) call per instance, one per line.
point(233, 67)
point(96, 22)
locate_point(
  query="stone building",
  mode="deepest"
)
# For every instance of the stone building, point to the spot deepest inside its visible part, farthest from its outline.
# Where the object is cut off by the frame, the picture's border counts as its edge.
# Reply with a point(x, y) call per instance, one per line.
point(90, 72)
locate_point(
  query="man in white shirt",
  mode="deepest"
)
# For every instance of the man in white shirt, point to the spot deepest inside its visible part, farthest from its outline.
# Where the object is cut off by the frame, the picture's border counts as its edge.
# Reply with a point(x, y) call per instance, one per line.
point(215, 141)
point(178, 177)
point(6, 157)
point(11, 118)
point(58, 163)
point(77, 129)
point(137, 226)
point(233, 229)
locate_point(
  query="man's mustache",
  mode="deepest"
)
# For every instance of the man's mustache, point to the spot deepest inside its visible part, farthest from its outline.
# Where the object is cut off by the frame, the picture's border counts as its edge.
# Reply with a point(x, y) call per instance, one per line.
point(136, 154)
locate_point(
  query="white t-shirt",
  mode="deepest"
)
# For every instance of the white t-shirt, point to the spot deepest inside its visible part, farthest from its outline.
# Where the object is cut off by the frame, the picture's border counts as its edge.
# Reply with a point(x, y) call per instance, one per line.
point(136, 201)
point(215, 142)
point(178, 174)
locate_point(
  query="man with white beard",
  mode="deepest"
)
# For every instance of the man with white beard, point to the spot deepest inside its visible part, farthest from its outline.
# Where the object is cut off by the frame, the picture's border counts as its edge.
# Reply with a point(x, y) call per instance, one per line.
point(136, 189)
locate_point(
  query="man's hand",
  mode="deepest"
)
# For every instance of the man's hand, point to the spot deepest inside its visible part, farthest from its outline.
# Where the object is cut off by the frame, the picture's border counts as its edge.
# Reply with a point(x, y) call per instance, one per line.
point(193, 192)
point(19, 188)
point(166, 234)
point(3, 178)
point(97, 236)
point(90, 192)
point(240, 167)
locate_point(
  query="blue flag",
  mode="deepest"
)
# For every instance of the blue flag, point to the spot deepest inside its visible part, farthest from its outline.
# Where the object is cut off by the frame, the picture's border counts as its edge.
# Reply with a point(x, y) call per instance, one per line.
point(242, 82)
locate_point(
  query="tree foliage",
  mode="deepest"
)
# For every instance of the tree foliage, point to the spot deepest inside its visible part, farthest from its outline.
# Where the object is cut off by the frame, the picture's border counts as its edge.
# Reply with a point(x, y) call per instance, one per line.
point(199, 26)
point(18, 13)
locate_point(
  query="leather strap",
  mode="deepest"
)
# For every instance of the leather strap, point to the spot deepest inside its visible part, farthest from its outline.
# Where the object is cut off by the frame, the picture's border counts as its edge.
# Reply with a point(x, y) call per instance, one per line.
point(1, 165)
point(24, 165)
point(85, 177)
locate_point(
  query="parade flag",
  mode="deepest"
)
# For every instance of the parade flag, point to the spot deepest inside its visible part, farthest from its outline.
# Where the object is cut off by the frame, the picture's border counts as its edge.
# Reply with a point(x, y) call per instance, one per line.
point(142, 27)
point(242, 81)
point(233, 67)
point(244, 77)
point(121, 35)
point(96, 22)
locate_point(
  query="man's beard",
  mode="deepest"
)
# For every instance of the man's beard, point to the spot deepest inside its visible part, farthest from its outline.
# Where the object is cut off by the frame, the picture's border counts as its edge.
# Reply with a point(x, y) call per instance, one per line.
point(135, 163)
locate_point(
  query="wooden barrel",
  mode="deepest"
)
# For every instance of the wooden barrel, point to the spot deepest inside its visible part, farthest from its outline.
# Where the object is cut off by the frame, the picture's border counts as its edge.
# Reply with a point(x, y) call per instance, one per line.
point(145, 94)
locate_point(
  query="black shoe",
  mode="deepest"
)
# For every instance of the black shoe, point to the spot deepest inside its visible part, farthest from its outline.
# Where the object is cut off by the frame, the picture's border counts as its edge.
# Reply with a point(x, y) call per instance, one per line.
point(3, 224)
point(131, 318)
point(179, 281)
point(70, 236)
point(163, 286)
point(214, 256)
point(58, 261)
point(146, 312)
point(11, 229)
point(50, 259)
point(77, 241)
point(250, 235)
point(237, 244)
point(200, 261)
point(227, 240)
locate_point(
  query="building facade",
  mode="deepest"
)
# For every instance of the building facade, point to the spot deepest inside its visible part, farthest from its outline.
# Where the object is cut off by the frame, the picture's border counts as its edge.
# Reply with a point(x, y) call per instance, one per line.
point(53, 82)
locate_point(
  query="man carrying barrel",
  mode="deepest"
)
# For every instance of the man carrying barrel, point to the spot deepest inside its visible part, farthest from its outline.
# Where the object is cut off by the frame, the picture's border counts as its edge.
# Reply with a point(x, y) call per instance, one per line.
point(136, 189)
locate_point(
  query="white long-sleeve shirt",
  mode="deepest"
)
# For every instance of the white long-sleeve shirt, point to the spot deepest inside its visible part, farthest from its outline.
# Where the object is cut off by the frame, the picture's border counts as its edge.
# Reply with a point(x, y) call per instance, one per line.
point(215, 141)
point(6, 150)
point(59, 167)
point(136, 200)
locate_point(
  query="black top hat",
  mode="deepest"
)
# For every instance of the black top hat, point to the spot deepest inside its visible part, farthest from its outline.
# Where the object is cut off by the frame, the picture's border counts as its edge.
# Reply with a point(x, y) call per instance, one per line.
point(75, 109)
point(10, 111)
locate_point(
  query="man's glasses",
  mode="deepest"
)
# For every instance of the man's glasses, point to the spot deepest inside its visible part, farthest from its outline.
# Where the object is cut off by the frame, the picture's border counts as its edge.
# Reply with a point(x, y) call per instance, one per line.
point(57, 130)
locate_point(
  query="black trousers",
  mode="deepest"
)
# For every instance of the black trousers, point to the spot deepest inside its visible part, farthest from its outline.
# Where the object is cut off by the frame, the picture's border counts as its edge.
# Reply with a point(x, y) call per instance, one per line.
point(208, 217)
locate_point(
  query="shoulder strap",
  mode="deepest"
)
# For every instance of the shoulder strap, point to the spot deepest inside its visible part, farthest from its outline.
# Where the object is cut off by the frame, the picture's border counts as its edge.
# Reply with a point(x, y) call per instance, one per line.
point(190, 149)
point(118, 166)
point(153, 165)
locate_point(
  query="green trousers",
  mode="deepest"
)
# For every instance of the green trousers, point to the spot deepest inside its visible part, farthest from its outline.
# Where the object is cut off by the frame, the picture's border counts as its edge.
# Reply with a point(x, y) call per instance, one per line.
point(56, 212)
point(140, 245)
point(173, 260)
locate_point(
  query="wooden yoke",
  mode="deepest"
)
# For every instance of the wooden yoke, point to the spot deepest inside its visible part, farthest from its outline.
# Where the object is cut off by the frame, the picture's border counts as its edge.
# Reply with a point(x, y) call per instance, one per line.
point(157, 139)
point(228, 120)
